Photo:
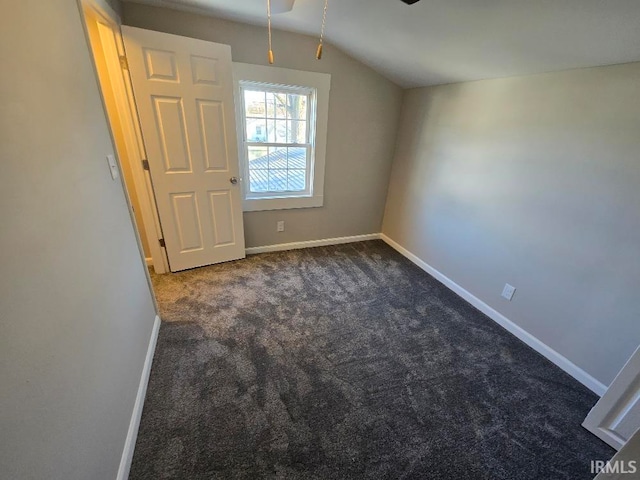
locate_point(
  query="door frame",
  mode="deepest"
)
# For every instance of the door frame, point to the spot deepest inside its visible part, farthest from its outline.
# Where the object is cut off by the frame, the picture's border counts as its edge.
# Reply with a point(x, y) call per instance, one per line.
point(127, 115)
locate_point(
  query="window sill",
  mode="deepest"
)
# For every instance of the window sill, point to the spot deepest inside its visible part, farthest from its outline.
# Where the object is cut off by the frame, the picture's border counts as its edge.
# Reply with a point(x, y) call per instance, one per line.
point(261, 204)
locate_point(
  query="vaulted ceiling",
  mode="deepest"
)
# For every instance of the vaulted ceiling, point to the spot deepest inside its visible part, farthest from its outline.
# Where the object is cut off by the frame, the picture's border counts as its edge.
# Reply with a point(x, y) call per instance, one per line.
point(444, 41)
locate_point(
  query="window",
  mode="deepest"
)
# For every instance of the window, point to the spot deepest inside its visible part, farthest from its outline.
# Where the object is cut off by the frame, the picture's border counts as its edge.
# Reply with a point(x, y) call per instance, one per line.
point(277, 131)
point(282, 116)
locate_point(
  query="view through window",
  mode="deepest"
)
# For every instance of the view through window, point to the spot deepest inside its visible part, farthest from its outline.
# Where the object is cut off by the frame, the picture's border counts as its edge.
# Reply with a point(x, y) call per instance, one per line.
point(278, 139)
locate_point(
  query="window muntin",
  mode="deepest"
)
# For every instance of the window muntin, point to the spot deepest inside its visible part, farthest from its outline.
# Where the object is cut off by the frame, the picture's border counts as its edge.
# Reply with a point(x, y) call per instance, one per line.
point(279, 134)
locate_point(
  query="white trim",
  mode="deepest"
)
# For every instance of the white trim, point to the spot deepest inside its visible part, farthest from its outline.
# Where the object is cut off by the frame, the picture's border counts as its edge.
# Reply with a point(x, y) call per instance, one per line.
point(565, 364)
point(102, 7)
point(320, 83)
point(149, 261)
point(122, 94)
point(284, 203)
point(132, 434)
point(312, 243)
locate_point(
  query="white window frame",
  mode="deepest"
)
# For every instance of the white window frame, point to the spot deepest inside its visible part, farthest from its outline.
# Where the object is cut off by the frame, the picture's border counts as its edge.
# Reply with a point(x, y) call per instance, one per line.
point(310, 120)
point(296, 81)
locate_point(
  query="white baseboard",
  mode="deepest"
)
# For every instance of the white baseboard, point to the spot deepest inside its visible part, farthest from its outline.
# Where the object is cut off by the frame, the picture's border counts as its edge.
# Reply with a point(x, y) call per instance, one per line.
point(565, 364)
point(311, 243)
point(149, 261)
point(132, 434)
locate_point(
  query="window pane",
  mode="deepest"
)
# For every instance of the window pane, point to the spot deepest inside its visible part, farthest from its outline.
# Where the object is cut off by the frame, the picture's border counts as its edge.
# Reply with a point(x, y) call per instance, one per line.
point(271, 105)
point(277, 180)
point(297, 180)
point(271, 130)
point(258, 157)
point(297, 157)
point(281, 131)
point(256, 130)
point(297, 131)
point(259, 181)
point(297, 105)
point(280, 105)
point(277, 157)
point(254, 103)
point(279, 118)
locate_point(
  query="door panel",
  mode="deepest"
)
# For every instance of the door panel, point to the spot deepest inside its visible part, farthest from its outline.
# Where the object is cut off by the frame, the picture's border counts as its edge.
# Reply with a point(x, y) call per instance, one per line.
point(205, 70)
point(185, 214)
point(171, 125)
point(184, 94)
point(221, 205)
point(160, 65)
point(616, 416)
point(213, 135)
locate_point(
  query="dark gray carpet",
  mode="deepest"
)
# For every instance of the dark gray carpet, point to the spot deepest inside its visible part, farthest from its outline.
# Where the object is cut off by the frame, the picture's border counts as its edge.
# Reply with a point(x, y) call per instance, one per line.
point(349, 362)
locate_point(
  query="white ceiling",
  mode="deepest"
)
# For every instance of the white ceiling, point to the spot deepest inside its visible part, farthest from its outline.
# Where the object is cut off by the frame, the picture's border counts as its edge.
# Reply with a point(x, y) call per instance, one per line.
point(444, 41)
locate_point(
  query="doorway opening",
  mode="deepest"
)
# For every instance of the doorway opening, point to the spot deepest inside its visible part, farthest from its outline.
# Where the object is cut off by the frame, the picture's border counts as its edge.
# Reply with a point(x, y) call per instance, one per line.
point(170, 104)
point(102, 25)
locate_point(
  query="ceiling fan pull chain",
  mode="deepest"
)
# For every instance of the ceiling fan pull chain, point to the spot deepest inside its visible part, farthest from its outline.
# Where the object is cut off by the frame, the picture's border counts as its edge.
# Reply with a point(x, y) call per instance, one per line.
point(270, 55)
point(324, 21)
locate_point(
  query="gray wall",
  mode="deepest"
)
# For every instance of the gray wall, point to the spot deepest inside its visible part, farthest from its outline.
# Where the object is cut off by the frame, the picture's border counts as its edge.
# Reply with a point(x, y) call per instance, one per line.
point(76, 312)
point(116, 5)
point(533, 181)
point(363, 114)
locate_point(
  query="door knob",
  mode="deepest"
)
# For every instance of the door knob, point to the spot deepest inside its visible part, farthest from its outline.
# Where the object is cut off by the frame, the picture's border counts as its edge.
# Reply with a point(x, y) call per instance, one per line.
point(233, 180)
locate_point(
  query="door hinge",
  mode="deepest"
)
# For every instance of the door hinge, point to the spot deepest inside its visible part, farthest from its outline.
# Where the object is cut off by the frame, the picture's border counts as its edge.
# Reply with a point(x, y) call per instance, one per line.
point(145, 164)
point(162, 244)
point(124, 63)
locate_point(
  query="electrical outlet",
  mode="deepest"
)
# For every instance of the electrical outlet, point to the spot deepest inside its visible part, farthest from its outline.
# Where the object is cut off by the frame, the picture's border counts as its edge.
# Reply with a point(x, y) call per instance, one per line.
point(280, 226)
point(508, 291)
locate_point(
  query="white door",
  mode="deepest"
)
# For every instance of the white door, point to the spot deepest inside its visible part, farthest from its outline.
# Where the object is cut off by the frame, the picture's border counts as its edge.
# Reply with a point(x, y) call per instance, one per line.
point(616, 416)
point(184, 95)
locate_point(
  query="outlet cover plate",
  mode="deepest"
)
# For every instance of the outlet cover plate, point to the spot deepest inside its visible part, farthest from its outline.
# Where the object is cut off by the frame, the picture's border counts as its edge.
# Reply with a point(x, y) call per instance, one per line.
point(508, 291)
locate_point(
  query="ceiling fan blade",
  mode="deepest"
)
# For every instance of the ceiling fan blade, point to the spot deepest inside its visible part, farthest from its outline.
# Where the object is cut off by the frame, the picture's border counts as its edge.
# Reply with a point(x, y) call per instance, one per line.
point(281, 6)
point(410, 2)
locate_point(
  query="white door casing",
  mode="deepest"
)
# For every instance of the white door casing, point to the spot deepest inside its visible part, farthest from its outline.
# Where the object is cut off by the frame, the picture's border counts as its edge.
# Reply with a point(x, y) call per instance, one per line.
point(184, 95)
point(616, 416)
point(103, 29)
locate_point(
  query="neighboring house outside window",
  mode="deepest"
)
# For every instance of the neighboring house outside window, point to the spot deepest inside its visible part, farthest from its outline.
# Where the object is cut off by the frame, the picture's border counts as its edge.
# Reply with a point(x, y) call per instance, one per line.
point(282, 125)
